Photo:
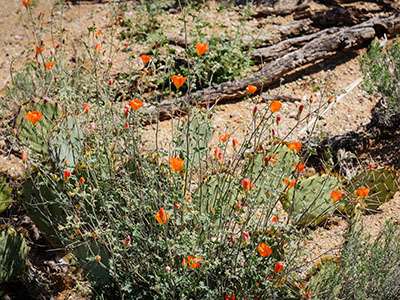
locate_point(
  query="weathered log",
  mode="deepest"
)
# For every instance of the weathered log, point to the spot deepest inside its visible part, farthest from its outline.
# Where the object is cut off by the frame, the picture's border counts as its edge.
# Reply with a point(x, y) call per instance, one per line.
point(387, 4)
point(265, 11)
point(280, 49)
point(338, 16)
point(321, 47)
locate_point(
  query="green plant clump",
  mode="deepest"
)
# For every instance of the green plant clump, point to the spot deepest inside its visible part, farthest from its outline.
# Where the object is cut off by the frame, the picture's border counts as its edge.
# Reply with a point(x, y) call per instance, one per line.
point(367, 269)
point(12, 254)
point(381, 70)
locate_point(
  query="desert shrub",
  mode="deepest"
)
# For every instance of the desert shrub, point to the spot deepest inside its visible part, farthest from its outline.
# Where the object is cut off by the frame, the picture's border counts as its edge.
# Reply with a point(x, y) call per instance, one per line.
point(192, 221)
point(367, 268)
point(381, 73)
point(228, 56)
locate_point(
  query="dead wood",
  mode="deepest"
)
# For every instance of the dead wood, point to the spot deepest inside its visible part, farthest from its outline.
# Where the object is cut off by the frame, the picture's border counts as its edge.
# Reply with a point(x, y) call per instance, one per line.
point(382, 128)
point(265, 11)
point(387, 4)
point(322, 46)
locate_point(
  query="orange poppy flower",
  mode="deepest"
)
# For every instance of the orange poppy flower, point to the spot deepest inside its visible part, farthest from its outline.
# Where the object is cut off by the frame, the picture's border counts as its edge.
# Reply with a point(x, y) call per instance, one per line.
point(275, 106)
point(264, 250)
point(97, 48)
point(201, 48)
point(251, 88)
point(299, 167)
point(184, 262)
point(39, 50)
point(27, 3)
point(278, 267)
point(34, 116)
point(178, 80)
point(193, 261)
point(224, 137)
point(136, 104)
point(336, 195)
point(98, 32)
point(145, 58)
point(295, 146)
point(216, 152)
point(176, 163)
point(49, 65)
point(86, 107)
point(234, 142)
point(274, 219)
point(230, 297)
point(67, 174)
point(24, 156)
point(291, 184)
point(82, 180)
point(161, 216)
point(246, 184)
point(363, 192)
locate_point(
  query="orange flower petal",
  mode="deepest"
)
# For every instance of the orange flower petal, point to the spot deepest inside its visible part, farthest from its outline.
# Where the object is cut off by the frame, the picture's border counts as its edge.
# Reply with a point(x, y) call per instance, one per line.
point(264, 250)
point(178, 80)
point(224, 137)
point(336, 195)
point(136, 104)
point(49, 65)
point(291, 184)
point(246, 184)
point(201, 48)
point(275, 106)
point(145, 58)
point(194, 262)
point(27, 3)
point(176, 163)
point(363, 192)
point(299, 167)
point(161, 217)
point(33, 116)
point(295, 146)
point(252, 89)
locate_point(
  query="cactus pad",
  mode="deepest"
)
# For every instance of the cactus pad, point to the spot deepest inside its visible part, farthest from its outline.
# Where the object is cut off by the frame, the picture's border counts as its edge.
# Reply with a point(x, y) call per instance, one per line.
point(36, 136)
point(67, 143)
point(309, 201)
point(40, 204)
point(12, 254)
point(382, 182)
point(5, 193)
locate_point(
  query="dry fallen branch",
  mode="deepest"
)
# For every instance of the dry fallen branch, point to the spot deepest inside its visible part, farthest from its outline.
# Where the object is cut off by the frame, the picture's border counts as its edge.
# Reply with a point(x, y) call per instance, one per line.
point(265, 11)
point(321, 47)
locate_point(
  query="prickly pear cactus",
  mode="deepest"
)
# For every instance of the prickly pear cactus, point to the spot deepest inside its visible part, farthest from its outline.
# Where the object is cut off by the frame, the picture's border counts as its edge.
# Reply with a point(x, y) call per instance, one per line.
point(382, 182)
point(213, 189)
point(45, 210)
point(36, 136)
point(279, 165)
point(5, 193)
point(309, 201)
point(40, 204)
point(278, 159)
point(12, 254)
point(97, 271)
point(199, 133)
point(67, 143)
